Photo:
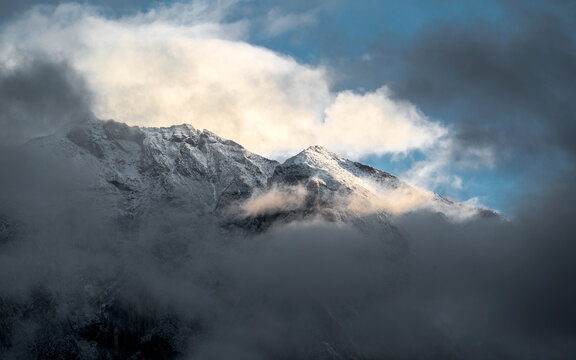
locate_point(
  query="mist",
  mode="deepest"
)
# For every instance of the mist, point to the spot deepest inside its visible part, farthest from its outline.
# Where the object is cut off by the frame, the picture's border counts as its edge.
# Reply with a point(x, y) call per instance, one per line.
point(75, 281)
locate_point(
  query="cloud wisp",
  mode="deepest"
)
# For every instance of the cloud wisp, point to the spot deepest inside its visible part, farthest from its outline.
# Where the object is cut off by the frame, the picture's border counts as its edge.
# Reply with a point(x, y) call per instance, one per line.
point(275, 199)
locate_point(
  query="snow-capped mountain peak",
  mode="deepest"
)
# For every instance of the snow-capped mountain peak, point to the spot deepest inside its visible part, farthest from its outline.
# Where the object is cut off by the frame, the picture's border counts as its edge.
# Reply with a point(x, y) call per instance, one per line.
point(180, 167)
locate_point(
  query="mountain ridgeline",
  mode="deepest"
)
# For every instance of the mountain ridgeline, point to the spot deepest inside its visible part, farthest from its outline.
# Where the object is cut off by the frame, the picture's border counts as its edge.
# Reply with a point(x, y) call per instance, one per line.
point(178, 167)
point(120, 242)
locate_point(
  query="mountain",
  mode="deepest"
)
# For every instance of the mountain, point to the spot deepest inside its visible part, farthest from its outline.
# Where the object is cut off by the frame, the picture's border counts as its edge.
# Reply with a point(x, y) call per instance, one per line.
point(125, 242)
point(136, 170)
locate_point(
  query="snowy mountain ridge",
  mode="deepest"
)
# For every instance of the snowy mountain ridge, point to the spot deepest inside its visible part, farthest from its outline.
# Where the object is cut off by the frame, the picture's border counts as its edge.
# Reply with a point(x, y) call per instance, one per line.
point(136, 168)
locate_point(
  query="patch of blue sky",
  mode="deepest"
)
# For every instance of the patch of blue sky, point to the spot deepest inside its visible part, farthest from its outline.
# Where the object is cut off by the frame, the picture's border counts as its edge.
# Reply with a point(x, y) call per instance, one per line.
point(349, 29)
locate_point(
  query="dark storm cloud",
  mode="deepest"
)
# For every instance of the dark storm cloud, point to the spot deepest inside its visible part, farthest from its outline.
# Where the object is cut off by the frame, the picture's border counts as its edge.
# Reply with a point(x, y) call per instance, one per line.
point(504, 82)
point(497, 286)
point(510, 83)
point(39, 96)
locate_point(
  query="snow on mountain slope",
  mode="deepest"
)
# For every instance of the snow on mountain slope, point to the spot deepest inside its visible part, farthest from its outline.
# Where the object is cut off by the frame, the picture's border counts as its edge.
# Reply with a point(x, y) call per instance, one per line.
point(320, 182)
point(138, 170)
point(178, 166)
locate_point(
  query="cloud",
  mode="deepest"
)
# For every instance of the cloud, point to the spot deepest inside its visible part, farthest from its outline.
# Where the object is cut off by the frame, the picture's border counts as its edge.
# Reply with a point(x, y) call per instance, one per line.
point(198, 69)
point(504, 83)
point(38, 96)
point(424, 287)
point(274, 200)
point(395, 201)
point(368, 199)
point(277, 23)
point(373, 120)
point(361, 198)
point(436, 169)
point(72, 281)
point(500, 79)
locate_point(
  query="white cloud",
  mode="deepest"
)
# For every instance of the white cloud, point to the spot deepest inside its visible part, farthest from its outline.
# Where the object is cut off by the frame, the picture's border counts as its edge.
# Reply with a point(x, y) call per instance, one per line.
point(184, 64)
point(374, 121)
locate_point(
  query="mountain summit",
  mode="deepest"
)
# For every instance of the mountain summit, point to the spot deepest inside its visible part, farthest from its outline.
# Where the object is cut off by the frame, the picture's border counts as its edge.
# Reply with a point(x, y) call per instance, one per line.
point(138, 170)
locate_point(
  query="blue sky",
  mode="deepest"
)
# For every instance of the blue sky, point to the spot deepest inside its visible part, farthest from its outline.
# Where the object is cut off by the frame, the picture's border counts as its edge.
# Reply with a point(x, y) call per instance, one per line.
point(348, 29)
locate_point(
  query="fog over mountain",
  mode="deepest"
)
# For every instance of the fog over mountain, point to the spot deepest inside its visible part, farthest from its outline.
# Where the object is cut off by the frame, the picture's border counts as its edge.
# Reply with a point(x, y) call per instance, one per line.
point(121, 242)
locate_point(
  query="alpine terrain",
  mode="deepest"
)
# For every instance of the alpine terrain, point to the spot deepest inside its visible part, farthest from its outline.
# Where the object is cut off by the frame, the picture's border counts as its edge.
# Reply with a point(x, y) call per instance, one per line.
point(123, 242)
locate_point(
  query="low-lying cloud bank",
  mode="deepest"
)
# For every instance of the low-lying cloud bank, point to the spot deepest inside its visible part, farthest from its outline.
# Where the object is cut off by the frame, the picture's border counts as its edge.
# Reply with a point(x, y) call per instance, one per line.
point(73, 281)
point(186, 64)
